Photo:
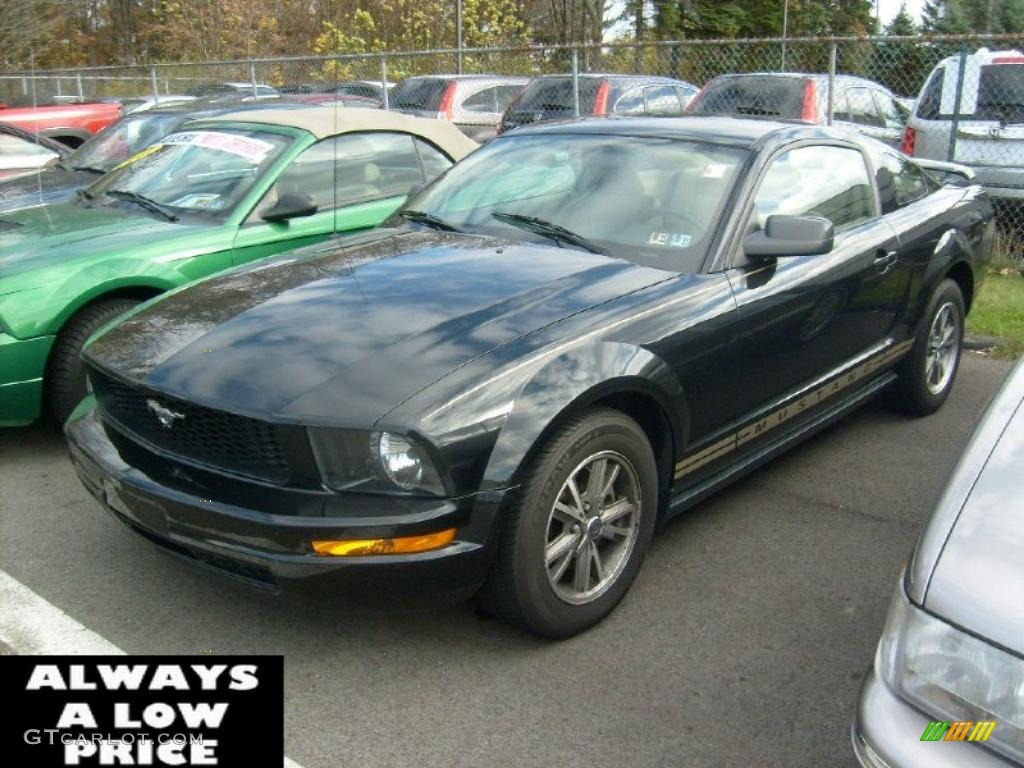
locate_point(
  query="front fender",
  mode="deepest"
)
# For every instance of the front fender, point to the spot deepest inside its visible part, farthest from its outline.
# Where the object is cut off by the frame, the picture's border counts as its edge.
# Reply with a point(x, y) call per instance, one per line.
point(568, 383)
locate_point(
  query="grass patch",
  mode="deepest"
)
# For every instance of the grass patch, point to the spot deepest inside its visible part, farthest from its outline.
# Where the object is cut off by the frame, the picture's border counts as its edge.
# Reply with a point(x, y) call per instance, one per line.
point(999, 311)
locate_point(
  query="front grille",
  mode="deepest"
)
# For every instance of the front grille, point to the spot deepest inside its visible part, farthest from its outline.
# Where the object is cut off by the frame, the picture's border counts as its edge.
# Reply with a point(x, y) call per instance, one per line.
point(197, 434)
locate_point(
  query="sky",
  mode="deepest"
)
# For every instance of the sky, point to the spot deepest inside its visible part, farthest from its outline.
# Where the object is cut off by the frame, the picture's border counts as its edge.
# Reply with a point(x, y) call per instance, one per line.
point(887, 9)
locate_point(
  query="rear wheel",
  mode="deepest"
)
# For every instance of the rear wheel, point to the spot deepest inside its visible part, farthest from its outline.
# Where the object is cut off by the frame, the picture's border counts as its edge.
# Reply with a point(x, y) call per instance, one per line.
point(579, 528)
point(926, 375)
point(65, 373)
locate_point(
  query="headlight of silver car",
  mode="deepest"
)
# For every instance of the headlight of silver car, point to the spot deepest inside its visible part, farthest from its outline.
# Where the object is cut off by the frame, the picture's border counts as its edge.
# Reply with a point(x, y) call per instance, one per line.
point(953, 675)
point(374, 462)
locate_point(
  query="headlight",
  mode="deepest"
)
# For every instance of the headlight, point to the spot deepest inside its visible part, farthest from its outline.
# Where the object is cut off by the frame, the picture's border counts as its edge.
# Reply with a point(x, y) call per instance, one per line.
point(953, 675)
point(374, 462)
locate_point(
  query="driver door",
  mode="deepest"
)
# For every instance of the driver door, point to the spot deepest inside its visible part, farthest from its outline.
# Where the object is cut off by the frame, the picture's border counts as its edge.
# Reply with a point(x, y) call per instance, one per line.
point(807, 323)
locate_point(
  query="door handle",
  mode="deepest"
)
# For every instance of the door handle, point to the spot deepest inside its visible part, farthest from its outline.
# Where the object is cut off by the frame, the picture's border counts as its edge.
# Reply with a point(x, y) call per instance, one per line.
point(886, 260)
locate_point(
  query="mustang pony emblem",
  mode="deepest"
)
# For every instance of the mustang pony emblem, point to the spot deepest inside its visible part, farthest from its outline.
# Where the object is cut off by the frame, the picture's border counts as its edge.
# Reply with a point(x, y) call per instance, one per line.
point(163, 414)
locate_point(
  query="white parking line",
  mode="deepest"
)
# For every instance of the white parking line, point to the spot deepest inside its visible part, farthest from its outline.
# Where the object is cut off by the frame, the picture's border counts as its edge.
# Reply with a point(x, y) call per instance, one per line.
point(30, 624)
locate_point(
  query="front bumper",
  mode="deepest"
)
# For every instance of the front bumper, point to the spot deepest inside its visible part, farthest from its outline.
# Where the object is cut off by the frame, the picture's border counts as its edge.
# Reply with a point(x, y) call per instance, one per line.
point(22, 362)
point(887, 734)
point(273, 551)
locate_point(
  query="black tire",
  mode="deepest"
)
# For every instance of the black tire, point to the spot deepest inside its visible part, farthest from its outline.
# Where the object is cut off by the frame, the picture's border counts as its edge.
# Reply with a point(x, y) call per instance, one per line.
point(912, 392)
point(518, 589)
point(65, 372)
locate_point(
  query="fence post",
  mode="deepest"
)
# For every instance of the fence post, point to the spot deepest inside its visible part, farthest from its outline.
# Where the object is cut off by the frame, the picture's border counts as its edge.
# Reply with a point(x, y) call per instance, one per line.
point(831, 81)
point(78, 81)
point(954, 126)
point(60, 92)
point(24, 86)
point(153, 83)
point(575, 82)
point(384, 79)
point(252, 76)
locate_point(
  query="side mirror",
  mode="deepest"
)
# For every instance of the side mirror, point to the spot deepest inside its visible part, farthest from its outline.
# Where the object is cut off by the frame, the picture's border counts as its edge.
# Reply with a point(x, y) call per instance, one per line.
point(290, 206)
point(414, 190)
point(790, 236)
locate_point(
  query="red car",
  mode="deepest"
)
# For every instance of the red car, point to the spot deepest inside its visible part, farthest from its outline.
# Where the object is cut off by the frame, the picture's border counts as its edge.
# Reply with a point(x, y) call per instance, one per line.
point(70, 124)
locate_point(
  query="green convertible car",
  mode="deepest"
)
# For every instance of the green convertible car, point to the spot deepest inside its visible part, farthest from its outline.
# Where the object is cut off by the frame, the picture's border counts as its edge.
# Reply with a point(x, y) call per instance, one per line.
point(226, 191)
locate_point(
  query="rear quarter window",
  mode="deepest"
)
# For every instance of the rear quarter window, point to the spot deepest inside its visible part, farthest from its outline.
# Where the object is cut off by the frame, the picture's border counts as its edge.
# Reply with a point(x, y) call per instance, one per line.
point(931, 98)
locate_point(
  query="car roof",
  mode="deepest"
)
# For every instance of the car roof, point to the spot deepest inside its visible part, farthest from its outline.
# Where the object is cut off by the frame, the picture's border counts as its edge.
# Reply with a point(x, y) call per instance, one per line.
point(612, 76)
point(817, 76)
point(517, 78)
point(324, 121)
point(736, 131)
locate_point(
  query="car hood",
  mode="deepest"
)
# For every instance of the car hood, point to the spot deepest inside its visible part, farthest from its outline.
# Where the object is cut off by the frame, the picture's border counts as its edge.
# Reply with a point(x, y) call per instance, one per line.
point(44, 187)
point(978, 579)
point(341, 335)
point(39, 238)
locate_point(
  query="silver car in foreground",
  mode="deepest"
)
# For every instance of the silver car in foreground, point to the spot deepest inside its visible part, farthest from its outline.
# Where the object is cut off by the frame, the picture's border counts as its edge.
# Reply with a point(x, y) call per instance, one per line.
point(947, 685)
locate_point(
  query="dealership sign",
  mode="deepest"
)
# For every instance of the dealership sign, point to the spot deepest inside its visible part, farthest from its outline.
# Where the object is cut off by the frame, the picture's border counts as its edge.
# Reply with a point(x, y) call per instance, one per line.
point(142, 710)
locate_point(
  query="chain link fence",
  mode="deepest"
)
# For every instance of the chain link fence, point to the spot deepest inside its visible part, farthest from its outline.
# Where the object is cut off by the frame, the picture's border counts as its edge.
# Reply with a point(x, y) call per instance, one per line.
point(952, 98)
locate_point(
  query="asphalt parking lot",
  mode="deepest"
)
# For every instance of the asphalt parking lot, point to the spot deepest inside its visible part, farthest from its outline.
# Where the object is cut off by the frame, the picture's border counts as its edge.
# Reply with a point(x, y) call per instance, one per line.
point(742, 643)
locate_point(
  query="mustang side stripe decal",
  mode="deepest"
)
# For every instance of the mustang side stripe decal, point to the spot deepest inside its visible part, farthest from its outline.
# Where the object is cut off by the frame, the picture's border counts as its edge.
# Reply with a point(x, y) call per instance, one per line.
point(784, 413)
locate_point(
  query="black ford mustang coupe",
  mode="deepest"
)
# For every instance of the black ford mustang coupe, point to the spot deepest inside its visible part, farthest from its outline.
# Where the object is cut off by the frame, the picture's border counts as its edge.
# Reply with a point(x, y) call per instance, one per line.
point(576, 333)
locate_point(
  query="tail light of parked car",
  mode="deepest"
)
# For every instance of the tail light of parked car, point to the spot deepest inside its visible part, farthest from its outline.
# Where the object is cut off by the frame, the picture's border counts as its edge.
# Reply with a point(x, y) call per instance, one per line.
point(810, 108)
point(601, 99)
point(909, 139)
point(445, 109)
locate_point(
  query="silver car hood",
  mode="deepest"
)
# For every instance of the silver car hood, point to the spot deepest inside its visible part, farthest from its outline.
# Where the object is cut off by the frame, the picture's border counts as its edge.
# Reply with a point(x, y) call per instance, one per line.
point(978, 578)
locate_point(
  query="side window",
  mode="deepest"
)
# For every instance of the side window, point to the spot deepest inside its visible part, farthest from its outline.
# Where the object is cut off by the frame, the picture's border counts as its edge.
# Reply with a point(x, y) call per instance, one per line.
point(794, 185)
point(841, 108)
point(434, 161)
point(311, 173)
point(631, 102)
point(931, 98)
point(862, 108)
point(890, 112)
point(505, 93)
point(347, 169)
point(686, 95)
point(482, 101)
point(901, 182)
point(662, 100)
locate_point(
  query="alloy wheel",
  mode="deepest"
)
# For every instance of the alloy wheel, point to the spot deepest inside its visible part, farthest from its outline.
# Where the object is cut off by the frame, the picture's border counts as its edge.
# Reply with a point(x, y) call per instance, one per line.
point(592, 527)
point(943, 348)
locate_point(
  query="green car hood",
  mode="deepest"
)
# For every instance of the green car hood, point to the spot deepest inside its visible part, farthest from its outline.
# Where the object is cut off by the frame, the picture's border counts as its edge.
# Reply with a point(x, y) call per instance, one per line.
point(38, 239)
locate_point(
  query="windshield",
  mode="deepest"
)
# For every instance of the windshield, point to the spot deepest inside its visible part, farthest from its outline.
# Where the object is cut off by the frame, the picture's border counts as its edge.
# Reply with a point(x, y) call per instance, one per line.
point(752, 95)
point(419, 93)
point(120, 141)
point(1001, 93)
point(205, 172)
point(651, 201)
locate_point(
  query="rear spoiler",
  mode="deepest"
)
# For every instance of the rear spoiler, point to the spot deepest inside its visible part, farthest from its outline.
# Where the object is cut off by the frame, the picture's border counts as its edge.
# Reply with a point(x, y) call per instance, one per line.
point(947, 173)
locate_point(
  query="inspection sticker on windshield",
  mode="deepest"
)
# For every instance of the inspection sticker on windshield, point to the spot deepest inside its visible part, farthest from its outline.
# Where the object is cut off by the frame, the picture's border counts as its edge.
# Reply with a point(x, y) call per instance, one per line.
point(208, 202)
point(714, 171)
point(671, 239)
point(253, 150)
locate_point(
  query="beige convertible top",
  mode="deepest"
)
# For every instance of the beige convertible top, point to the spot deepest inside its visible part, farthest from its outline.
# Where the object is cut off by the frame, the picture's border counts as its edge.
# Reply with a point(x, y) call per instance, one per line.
point(323, 121)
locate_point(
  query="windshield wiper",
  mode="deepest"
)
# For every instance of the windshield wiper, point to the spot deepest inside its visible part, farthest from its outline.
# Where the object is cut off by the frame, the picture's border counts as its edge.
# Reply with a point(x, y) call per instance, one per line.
point(429, 219)
point(150, 205)
point(89, 168)
point(547, 229)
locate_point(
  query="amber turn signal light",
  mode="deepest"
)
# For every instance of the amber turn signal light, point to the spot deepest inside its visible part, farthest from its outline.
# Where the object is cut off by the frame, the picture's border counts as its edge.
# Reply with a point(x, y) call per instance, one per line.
point(399, 545)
